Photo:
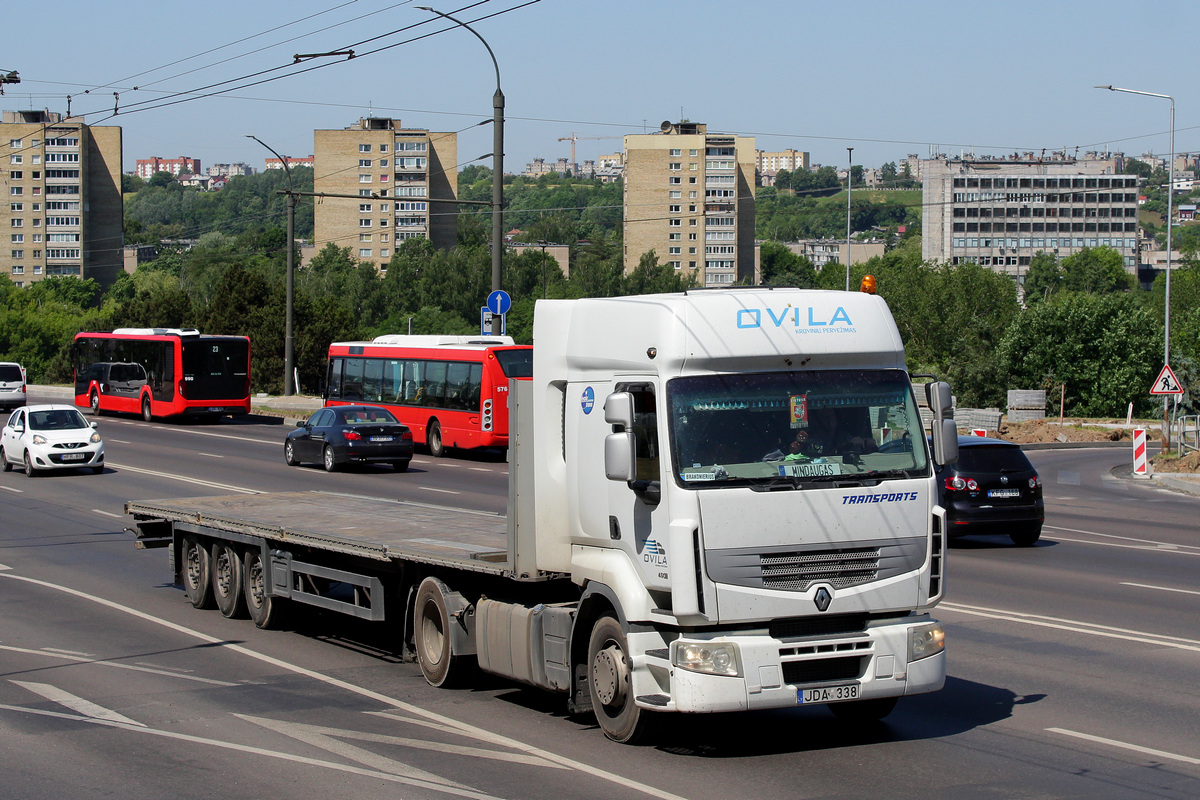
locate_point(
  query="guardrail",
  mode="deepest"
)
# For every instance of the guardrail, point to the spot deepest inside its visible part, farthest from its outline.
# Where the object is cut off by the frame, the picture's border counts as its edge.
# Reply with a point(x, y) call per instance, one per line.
point(1188, 443)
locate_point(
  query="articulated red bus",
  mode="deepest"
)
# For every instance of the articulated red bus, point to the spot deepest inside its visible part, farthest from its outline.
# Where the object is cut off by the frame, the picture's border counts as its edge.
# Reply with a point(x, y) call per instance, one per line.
point(162, 372)
point(450, 390)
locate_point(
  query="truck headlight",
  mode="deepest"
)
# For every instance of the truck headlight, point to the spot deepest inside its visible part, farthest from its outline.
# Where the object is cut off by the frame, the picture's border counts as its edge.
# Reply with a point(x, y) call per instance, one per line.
point(925, 641)
point(713, 658)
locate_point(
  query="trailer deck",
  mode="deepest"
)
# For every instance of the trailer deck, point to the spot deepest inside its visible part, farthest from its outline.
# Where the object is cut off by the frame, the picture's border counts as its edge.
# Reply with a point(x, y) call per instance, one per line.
point(369, 527)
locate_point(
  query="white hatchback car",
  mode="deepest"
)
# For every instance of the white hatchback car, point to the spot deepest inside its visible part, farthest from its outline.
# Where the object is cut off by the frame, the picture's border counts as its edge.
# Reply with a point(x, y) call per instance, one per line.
point(50, 437)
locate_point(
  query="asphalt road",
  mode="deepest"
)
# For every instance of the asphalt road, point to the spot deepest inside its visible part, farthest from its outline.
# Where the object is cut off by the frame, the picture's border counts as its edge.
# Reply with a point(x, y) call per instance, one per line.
point(1071, 664)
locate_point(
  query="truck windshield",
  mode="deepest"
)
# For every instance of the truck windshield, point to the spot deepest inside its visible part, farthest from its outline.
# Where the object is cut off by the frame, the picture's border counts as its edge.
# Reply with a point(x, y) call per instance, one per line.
point(795, 429)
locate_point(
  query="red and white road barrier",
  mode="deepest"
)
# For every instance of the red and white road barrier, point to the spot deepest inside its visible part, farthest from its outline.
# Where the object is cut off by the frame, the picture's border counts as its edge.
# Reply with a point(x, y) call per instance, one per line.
point(1139, 451)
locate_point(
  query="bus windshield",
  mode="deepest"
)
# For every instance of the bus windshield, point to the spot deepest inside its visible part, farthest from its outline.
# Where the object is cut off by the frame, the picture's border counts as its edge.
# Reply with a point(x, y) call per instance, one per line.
point(215, 368)
point(794, 428)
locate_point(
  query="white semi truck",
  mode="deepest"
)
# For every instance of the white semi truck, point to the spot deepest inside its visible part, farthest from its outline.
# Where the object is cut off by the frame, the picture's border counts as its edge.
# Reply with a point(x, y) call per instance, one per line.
point(719, 500)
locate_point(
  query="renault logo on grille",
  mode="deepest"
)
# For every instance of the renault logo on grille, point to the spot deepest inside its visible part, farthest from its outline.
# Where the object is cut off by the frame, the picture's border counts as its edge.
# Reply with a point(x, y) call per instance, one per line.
point(823, 598)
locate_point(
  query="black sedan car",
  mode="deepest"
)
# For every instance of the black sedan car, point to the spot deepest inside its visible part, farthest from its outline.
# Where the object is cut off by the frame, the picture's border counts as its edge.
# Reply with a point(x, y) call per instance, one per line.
point(992, 488)
point(350, 435)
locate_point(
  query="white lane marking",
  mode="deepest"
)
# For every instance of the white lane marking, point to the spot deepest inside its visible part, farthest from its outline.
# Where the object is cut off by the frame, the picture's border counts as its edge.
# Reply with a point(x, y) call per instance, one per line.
point(259, 751)
point(9, 488)
point(4, 567)
point(108, 513)
point(1160, 588)
point(185, 479)
point(481, 469)
point(443, 491)
point(210, 455)
point(68, 652)
point(461, 727)
point(76, 704)
point(331, 739)
point(1149, 543)
point(1074, 626)
point(1155, 548)
point(1137, 748)
point(48, 652)
point(118, 441)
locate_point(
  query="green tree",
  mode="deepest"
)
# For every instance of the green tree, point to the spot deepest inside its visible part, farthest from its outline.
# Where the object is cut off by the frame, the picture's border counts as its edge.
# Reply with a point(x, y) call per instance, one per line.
point(781, 267)
point(1043, 278)
point(1099, 270)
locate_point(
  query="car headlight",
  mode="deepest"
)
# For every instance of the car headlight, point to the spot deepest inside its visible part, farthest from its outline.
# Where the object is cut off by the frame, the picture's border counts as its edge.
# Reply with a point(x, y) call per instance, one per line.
point(39, 439)
point(713, 658)
point(925, 641)
point(94, 438)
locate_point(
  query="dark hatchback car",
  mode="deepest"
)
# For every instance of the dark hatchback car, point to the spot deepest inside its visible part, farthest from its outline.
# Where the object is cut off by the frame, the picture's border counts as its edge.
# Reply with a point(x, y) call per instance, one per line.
point(350, 435)
point(992, 488)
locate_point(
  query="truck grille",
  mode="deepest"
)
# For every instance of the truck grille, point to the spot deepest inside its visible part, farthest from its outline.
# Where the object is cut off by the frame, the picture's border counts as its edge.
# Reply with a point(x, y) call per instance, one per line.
point(825, 669)
point(839, 568)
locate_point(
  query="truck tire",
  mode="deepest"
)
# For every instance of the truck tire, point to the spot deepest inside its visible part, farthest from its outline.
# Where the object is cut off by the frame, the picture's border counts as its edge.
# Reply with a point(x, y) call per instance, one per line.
point(264, 609)
point(431, 635)
point(227, 580)
point(610, 684)
point(864, 710)
point(434, 439)
point(197, 581)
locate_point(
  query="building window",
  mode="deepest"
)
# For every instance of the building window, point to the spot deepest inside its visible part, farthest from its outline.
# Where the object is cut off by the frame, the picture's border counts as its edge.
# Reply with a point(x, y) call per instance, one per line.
point(383, 148)
point(676, 153)
point(674, 237)
point(37, 253)
point(383, 162)
point(383, 237)
point(671, 251)
point(364, 192)
point(384, 253)
point(383, 223)
point(691, 223)
point(364, 178)
point(18, 238)
point(674, 179)
point(364, 237)
point(691, 180)
point(364, 223)
point(364, 207)
point(691, 195)
point(364, 148)
point(383, 178)
point(16, 222)
point(692, 166)
point(14, 142)
point(16, 174)
point(364, 162)
point(675, 223)
point(14, 159)
point(691, 237)
point(676, 195)
point(693, 152)
point(364, 252)
point(674, 165)
point(18, 253)
point(16, 206)
point(673, 209)
point(677, 264)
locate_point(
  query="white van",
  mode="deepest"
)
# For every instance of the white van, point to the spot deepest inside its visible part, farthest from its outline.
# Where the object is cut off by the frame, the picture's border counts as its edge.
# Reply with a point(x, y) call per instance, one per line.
point(12, 385)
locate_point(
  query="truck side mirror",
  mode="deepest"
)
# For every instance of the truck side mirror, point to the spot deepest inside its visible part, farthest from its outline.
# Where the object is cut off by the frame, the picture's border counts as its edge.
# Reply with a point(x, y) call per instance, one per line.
point(945, 441)
point(941, 402)
point(618, 409)
point(619, 455)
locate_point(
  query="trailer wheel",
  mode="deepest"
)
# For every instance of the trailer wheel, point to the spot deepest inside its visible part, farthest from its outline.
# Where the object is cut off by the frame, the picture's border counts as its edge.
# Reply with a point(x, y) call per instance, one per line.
point(197, 582)
point(431, 635)
point(264, 609)
point(863, 710)
point(227, 580)
point(610, 684)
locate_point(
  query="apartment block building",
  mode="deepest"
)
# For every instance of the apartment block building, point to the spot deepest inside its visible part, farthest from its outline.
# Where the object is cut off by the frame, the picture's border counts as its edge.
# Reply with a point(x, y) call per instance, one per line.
point(689, 197)
point(146, 167)
point(784, 159)
point(1000, 212)
point(64, 210)
point(395, 172)
point(276, 163)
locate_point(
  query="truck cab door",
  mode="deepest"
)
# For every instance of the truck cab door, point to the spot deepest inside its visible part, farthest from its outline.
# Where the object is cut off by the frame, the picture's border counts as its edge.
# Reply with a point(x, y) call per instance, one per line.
point(638, 518)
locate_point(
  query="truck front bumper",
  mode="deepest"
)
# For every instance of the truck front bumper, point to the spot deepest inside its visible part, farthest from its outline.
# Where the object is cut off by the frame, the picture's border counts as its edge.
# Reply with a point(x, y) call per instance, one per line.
point(772, 673)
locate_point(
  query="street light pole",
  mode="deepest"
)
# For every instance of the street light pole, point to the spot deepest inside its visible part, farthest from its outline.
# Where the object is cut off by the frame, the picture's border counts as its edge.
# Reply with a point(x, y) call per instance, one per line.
point(849, 189)
point(497, 166)
point(1166, 442)
point(288, 348)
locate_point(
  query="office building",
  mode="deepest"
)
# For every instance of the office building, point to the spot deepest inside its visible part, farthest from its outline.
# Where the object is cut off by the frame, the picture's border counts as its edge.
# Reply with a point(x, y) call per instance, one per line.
point(689, 197)
point(64, 210)
point(1000, 212)
point(395, 173)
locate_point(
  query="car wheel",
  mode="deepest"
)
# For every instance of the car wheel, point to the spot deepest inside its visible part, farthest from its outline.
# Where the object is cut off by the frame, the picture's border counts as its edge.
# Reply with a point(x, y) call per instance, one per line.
point(1026, 537)
point(400, 466)
point(328, 460)
point(94, 402)
point(289, 454)
point(7, 467)
point(29, 470)
point(434, 440)
point(146, 415)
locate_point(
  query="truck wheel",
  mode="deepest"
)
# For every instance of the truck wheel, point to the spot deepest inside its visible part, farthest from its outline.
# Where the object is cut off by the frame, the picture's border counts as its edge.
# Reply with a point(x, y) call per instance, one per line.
point(328, 459)
point(264, 609)
point(146, 415)
point(431, 635)
point(7, 467)
point(864, 710)
point(94, 402)
point(197, 583)
point(227, 580)
point(434, 439)
point(610, 684)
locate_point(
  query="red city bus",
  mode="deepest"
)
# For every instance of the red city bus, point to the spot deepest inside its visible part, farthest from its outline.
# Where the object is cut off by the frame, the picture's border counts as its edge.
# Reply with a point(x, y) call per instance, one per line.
point(162, 372)
point(450, 390)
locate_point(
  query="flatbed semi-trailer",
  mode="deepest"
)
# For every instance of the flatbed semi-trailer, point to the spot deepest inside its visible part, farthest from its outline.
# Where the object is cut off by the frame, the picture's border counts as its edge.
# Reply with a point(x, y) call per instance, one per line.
point(718, 501)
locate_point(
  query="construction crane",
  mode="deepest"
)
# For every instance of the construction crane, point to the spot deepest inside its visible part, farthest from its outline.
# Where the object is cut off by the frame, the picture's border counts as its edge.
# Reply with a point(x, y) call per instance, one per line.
point(572, 139)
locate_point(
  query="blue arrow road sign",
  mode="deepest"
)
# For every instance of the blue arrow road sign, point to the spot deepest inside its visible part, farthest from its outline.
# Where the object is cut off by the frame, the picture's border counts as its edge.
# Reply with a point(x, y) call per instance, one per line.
point(499, 302)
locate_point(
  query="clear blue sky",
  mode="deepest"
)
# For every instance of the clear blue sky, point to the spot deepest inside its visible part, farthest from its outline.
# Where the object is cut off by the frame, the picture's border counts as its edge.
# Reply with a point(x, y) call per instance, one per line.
point(887, 78)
